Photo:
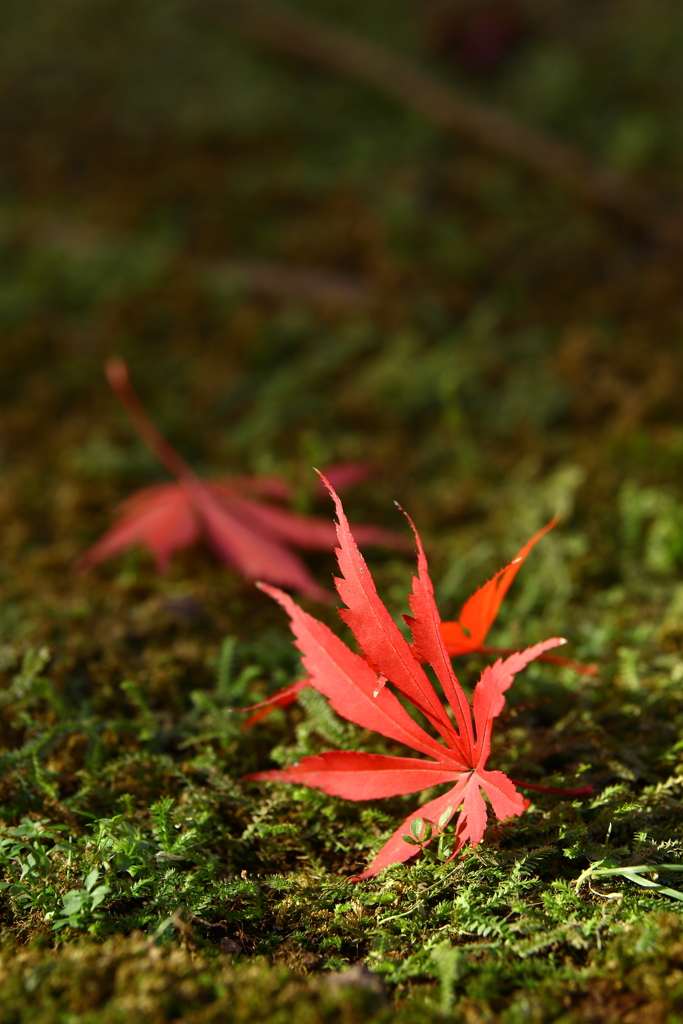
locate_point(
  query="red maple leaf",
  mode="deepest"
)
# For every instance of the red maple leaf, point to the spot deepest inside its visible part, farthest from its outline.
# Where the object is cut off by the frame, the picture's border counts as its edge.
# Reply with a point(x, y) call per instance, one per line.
point(358, 689)
point(253, 536)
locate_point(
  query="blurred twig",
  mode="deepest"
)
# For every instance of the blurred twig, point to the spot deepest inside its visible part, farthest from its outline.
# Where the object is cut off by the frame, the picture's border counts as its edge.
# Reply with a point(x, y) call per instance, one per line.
point(339, 50)
point(267, 277)
point(270, 278)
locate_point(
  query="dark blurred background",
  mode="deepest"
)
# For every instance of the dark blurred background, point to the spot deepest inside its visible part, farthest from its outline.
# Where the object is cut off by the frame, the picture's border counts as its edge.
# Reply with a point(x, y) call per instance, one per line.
point(301, 269)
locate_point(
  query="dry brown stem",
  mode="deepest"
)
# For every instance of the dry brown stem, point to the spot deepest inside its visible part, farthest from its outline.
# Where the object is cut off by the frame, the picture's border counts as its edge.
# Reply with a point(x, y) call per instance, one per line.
point(270, 278)
point(338, 50)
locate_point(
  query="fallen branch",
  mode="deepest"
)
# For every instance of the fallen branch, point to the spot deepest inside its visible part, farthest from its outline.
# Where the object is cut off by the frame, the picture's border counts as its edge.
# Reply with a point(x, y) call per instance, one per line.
point(341, 51)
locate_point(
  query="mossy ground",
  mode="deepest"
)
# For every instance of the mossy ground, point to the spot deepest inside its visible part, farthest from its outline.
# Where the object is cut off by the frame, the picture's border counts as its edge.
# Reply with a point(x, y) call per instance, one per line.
point(520, 354)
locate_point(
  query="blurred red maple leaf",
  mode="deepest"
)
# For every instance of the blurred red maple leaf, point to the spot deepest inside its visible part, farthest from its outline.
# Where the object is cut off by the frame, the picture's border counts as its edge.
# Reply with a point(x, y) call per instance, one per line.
point(358, 689)
point(464, 636)
point(253, 536)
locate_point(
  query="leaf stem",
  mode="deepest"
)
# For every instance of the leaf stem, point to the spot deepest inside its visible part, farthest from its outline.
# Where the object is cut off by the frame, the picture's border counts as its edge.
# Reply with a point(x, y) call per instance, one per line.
point(586, 790)
point(119, 381)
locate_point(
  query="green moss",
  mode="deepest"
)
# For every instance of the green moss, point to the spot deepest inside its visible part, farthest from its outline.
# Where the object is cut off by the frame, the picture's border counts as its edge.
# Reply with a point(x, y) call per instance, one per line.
point(520, 355)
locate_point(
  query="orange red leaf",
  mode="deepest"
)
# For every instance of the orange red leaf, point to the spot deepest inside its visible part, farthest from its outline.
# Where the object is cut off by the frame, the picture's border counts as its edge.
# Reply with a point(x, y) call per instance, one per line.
point(480, 610)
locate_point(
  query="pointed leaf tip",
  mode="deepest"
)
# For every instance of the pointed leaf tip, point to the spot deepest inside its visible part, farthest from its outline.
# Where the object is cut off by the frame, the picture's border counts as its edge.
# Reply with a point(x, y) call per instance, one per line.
point(328, 485)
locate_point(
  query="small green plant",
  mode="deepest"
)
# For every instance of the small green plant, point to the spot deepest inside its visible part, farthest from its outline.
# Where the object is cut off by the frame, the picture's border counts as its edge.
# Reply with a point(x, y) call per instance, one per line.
point(30, 855)
point(79, 906)
point(421, 832)
point(634, 873)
